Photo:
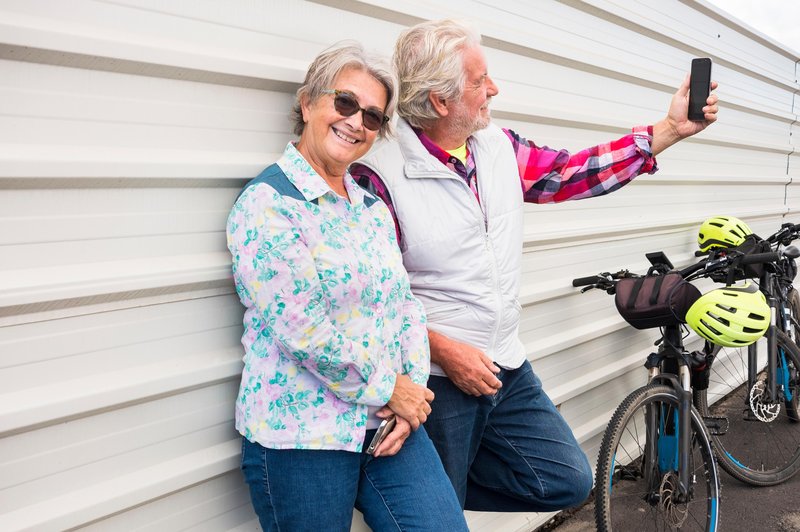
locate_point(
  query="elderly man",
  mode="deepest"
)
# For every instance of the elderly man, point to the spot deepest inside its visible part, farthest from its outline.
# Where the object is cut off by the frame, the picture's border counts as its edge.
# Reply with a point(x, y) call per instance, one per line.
point(452, 181)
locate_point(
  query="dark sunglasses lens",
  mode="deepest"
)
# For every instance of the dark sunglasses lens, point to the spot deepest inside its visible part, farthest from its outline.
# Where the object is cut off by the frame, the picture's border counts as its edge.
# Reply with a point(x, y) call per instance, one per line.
point(373, 119)
point(345, 104)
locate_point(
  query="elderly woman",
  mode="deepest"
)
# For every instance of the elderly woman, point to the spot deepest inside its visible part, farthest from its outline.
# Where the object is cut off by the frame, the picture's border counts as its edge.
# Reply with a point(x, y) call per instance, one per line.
point(334, 340)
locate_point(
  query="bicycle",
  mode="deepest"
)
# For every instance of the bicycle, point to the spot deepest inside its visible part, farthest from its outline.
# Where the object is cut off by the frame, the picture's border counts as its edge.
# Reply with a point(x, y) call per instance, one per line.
point(656, 467)
point(756, 394)
point(656, 459)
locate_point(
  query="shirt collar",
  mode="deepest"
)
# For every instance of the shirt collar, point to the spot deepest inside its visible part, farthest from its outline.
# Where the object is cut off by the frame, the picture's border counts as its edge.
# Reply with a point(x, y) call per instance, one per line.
point(450, 161)
point(310, 184)
point(433, 148)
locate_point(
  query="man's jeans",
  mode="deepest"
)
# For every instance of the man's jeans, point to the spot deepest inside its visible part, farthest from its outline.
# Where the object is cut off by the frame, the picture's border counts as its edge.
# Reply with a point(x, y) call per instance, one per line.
point(511, 452)
point(313, 490)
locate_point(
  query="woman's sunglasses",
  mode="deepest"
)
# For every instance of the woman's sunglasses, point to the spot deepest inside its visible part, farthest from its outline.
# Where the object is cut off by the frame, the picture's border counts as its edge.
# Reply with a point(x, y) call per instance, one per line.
point(346, 104)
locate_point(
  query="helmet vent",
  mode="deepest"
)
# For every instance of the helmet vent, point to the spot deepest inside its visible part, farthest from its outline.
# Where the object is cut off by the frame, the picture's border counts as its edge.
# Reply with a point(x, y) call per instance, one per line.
point(709, 327)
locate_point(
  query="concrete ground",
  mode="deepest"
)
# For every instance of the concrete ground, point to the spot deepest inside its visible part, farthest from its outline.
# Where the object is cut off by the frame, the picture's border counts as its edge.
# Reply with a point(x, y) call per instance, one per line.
point(742, 508)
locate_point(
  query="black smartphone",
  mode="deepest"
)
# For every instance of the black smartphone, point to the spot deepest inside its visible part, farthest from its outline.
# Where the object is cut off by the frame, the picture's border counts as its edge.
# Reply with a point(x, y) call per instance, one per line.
point(699, 87)
point(658, 258)
point(384, 429)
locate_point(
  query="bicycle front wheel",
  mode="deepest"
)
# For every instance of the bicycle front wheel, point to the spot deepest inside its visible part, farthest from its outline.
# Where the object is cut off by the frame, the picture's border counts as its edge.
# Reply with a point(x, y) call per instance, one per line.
point(636, 479)
point(761, 445)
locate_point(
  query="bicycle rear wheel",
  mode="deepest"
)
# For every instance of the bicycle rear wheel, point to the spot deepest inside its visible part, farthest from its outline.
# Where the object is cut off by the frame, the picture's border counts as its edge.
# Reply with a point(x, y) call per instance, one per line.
point(636, 489)
point(762, 443)
point(794, 306)
point(794, 325)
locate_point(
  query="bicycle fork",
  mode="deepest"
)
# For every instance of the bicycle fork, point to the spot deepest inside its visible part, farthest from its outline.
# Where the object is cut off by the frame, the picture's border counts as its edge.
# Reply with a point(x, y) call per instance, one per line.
point(678, 429)
point(684, 437)
point(771, 391)
point(772, 353)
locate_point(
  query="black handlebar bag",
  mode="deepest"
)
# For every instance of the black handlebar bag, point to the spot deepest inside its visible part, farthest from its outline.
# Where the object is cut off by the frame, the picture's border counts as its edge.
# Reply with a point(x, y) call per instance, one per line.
point(655, 300)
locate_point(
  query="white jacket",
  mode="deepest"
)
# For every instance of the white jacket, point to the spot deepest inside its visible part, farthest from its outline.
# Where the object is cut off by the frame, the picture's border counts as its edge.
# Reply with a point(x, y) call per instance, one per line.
point(464, 267)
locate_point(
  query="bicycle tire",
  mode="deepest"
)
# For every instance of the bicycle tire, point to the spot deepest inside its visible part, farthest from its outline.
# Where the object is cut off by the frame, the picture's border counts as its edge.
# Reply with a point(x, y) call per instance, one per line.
point(623, 501)
point(793, 297)
point(764, 449)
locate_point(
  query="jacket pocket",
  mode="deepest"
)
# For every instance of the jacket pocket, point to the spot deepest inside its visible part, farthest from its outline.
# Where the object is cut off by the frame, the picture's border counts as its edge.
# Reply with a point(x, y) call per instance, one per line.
point(443, 312)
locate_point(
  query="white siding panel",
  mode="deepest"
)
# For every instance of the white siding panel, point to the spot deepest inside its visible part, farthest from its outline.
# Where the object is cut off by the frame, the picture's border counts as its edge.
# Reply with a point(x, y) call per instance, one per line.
point(127, 128)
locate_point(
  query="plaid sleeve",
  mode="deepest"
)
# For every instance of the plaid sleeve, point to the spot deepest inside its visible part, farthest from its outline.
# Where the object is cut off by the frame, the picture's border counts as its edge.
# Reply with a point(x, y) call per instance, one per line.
point(550, 176)
point(368, 179)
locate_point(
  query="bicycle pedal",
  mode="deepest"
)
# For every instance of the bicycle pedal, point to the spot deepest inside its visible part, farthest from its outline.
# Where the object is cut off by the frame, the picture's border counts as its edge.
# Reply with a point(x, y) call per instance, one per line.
point(717, 426)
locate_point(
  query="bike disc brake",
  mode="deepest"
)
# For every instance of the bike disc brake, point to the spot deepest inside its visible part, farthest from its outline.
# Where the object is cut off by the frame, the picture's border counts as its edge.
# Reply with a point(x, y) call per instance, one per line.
point(675, 513)
point(764, 412)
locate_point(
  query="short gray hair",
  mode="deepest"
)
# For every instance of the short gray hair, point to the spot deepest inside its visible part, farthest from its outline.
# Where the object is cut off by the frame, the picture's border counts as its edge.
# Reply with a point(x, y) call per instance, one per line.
point(428, 58)
point(329, 63)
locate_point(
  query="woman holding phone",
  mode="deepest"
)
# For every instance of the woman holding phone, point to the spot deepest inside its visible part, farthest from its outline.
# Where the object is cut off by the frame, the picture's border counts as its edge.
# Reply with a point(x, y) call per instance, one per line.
point(334, 340)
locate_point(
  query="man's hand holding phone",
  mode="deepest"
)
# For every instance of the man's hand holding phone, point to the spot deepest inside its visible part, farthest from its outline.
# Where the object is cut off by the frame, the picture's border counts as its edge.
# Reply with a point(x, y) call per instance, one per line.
point(678, 124)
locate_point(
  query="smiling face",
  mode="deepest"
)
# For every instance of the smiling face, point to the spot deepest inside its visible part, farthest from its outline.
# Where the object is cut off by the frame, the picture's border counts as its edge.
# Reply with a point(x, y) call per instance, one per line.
point(471, 113)
point(331, 142)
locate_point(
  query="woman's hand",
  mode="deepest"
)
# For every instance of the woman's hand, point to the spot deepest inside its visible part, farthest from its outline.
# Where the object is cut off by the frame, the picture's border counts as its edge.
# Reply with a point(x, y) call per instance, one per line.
point(391, 445)
point(410, 401)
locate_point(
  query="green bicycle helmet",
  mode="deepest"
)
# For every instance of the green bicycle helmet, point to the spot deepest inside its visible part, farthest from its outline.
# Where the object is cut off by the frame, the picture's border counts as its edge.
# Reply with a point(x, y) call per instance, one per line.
point(733, 316)
point(722, 232)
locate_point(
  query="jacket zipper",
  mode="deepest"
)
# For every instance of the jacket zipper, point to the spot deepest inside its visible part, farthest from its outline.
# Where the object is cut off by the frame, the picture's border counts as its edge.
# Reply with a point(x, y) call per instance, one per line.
point(493, 262)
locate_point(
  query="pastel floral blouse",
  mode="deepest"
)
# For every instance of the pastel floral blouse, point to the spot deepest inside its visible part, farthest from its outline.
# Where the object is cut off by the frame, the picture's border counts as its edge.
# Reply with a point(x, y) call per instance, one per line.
point(329, 319)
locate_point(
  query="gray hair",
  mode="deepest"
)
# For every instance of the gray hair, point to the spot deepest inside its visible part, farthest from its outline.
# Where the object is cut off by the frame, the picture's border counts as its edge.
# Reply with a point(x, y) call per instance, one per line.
point(428, 59)
point(329, 63)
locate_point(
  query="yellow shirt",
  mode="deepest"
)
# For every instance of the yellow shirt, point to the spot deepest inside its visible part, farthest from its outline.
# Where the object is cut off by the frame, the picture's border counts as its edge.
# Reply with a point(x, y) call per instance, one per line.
point(460, 153)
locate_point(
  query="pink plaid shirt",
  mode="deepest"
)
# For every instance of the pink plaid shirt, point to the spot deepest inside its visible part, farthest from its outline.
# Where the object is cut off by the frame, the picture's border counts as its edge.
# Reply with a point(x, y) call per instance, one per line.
point(547, 175)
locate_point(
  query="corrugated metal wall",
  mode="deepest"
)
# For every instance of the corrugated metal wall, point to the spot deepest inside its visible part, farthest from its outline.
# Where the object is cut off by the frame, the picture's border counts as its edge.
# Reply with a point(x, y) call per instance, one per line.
point(127, 128)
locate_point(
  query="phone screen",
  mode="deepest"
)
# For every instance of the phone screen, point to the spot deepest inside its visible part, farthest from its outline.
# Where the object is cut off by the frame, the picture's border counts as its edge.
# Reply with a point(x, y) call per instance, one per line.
point(699, 87)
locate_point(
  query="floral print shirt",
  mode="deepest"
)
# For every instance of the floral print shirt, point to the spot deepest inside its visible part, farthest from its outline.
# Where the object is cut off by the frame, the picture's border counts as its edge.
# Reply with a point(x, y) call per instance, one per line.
point(329, 316)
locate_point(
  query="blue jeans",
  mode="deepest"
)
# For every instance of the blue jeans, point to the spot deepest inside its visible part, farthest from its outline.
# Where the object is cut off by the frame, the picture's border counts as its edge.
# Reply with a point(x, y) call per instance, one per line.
point(511, 452)
point(298, 490)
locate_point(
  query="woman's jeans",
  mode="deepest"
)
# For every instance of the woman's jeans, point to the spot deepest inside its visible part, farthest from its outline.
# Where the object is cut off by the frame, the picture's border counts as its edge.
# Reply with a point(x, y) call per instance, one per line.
point(508, 452)
point(297, 490)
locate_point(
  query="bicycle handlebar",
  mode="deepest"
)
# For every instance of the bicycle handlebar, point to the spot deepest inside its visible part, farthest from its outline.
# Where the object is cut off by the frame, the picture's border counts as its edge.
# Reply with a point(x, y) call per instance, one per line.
point(759, 258)
point(586, 281)
point(689, 270)
point(786, 234)
point(710, 264)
